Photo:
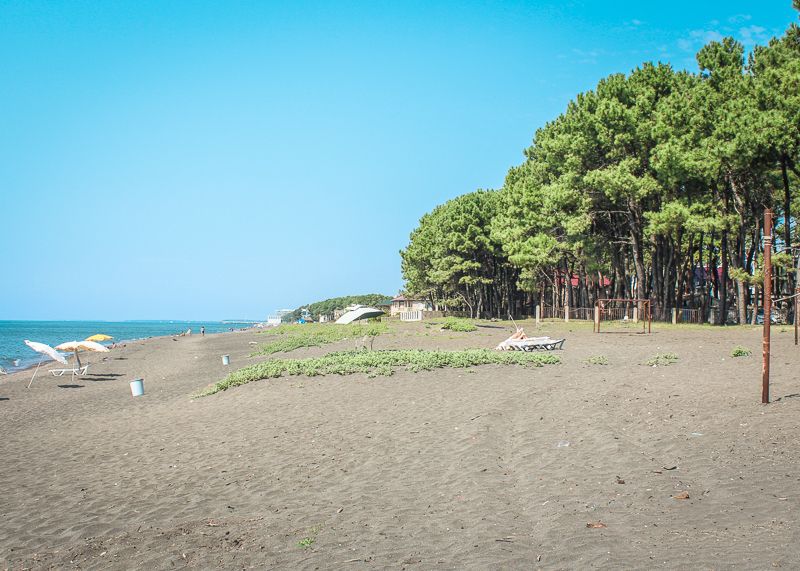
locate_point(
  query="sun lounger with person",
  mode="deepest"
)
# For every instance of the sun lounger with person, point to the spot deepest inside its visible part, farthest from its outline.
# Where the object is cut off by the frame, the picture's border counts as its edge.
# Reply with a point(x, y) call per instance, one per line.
point(519, 341)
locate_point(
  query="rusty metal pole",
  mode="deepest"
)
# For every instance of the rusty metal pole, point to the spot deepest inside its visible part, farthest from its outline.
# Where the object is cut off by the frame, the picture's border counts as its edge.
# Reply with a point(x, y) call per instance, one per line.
point(796, 294)
point(767, 304)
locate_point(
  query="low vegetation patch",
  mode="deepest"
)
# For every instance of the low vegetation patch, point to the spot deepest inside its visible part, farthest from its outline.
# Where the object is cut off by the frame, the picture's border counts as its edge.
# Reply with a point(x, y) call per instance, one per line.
point(317, 334)
point(310, 539)
point(597, 360)
point(377, 363)
point(456, 324)
point(740, 351)
point(662, 359)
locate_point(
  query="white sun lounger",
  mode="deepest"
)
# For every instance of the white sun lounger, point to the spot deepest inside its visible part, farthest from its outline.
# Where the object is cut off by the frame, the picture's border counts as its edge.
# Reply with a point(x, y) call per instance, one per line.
point(531, 344)
point(74, 371)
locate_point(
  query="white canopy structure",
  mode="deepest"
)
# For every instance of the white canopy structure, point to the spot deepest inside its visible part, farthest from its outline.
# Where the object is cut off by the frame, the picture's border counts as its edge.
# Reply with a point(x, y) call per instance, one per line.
point(358, 313)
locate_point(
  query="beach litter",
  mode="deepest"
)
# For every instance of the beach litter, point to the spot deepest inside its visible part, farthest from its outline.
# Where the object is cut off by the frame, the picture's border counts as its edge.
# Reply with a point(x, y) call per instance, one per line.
point(562, 444)
point(137, 387)
point(226, 359)
point(596, 525)
point(681, 496)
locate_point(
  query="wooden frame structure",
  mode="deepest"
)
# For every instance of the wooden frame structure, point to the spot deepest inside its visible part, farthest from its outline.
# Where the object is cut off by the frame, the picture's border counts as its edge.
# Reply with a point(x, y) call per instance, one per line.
point(646, 319)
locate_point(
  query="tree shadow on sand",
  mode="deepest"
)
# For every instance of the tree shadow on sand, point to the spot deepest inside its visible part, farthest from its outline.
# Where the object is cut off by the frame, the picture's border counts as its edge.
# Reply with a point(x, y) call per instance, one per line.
point(4, 398)
point(70, 386)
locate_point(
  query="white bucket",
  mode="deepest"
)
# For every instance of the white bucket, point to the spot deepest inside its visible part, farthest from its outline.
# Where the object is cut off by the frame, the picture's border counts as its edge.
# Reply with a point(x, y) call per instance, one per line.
point(137, 387)
point(226, 359)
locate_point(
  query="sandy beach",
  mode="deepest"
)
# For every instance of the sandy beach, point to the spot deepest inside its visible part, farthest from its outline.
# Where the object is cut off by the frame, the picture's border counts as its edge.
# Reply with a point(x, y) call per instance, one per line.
point(491, 467)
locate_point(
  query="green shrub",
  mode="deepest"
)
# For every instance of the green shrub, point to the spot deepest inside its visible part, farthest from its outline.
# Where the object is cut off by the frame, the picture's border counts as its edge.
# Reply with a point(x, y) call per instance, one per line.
point(310, 539)
point(597, 360)
point(663, 359)
point(740, 351)
point(317, 334)
point(456, 324)
point(375, 363)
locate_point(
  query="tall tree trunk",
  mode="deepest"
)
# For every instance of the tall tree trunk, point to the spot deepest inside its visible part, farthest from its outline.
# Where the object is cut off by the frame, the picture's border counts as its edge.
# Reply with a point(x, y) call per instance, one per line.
point(722, 318)
point(638, 254)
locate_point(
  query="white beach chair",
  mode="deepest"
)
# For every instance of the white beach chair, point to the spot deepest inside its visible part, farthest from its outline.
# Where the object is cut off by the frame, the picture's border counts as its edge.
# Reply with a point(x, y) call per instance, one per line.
point(80, 371)
point(531, 344)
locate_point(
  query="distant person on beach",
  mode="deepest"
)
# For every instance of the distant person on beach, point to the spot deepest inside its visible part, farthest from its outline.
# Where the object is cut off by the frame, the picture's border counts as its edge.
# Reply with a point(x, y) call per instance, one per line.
point(202, 330)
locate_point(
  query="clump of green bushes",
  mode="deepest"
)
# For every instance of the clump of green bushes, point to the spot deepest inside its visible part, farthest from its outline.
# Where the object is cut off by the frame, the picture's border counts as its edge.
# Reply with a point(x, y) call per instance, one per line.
point(317, 334)
point(456, 324)
point(377, 363)
point(740, 351)
point(597, 360)
point(662, 359)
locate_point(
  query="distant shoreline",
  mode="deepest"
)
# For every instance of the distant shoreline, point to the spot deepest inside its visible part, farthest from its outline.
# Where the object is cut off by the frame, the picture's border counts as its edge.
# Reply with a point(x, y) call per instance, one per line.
point(122, 342)
point(10, 339)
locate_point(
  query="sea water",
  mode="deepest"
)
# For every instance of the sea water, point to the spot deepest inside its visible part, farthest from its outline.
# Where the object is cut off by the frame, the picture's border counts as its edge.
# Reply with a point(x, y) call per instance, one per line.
point(14, 354)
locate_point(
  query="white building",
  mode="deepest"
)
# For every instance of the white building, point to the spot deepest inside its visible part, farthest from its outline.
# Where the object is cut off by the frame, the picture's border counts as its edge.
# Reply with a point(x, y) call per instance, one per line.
point(402, 304)
point(277, 318)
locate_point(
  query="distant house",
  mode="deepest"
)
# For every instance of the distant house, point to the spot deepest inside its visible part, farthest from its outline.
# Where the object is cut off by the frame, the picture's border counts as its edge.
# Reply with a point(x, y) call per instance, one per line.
point(407, 303)
point(277, 318)
point(575, 281)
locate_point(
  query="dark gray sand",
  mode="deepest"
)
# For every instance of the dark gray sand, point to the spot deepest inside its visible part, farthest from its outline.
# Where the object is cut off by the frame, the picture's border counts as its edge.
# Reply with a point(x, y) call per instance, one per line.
point(494, 467)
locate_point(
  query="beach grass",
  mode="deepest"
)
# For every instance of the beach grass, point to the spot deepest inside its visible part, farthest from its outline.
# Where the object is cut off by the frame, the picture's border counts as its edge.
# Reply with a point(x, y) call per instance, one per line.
point(597, 360)
point(456, 324)
point(375, 363)
point(294, 336)
point(740, 351)
point(662, 359)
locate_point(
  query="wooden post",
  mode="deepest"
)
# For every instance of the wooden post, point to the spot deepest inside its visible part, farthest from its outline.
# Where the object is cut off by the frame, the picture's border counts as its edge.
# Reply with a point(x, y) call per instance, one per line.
point(636, 313)
point(538, 314)
point(674, 315)
point(566, 313)
point(767, 305)
point(596, 325)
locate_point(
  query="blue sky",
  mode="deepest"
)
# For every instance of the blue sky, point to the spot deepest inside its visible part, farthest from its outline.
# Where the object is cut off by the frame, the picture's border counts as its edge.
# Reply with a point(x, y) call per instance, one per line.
point(211, 160)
